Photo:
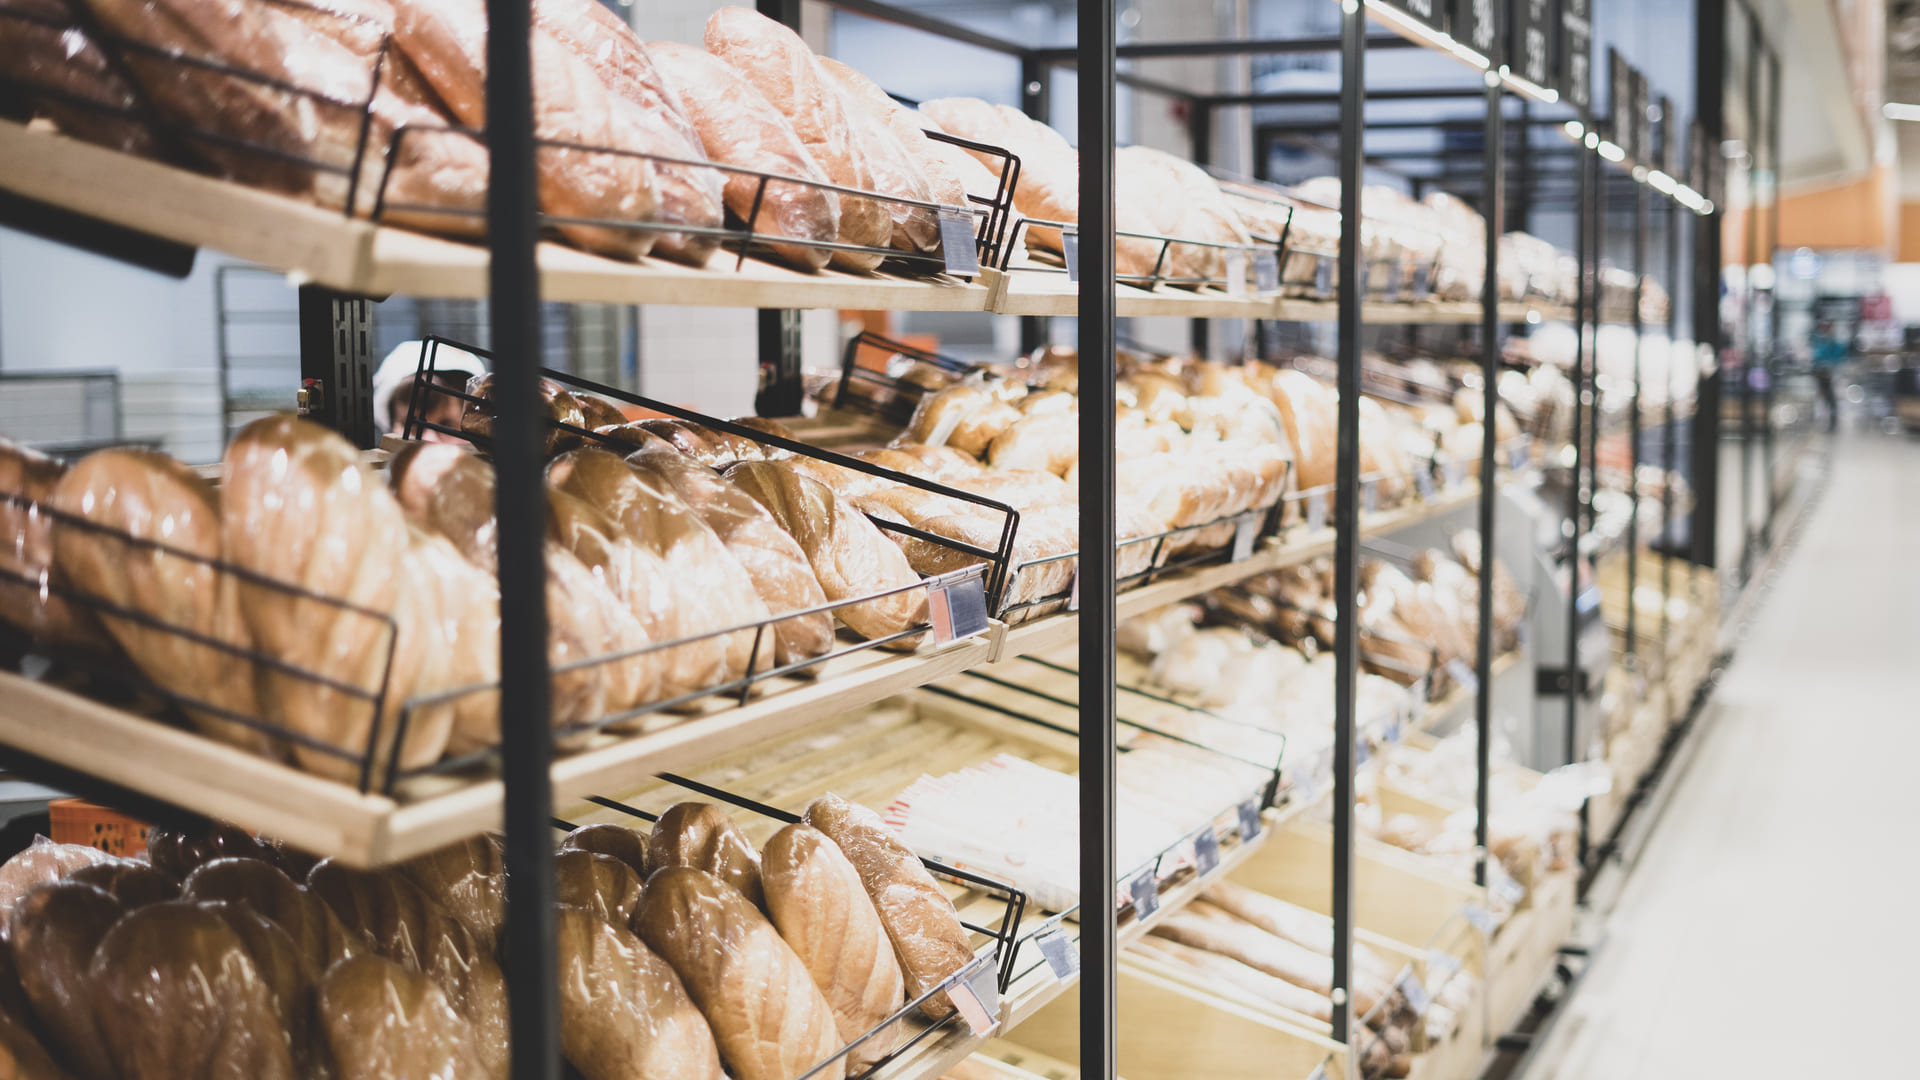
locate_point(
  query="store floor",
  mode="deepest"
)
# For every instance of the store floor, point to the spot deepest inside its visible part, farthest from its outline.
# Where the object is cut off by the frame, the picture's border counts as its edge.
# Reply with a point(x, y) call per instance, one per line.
point(1768, 927)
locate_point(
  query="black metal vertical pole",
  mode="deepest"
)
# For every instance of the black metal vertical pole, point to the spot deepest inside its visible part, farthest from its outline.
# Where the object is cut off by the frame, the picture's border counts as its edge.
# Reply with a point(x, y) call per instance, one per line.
point(1493, 209)
point(1099, 944)
point(1585, 299)
point(1595, 411)
point(778, 329)
point(1709, 90)
point(1641, 223)
point(1750, 339)
point(1036, 100)
point(1200, 135)
point(1669, 547)
point(1771, 136)
point(1353, 27)
point(520, 508)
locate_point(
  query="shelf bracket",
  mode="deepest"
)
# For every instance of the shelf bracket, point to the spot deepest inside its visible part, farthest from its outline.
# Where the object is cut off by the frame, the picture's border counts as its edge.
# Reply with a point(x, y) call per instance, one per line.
point(336, 349)
point(90, 234)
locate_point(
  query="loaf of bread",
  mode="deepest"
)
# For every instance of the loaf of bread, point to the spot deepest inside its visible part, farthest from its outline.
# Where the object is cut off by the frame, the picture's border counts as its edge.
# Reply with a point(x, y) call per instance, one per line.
point(561, 408)
point(599, 884)
point(408, 927)
point(26, 1055)
point(1048, 442)
point(27, 480)
point(770, 1021)
point(740, 127)
point(39, 863)
point(1224, 969)
point(849, 555)
point(944, 182)
point(469, 879)
point(53, 932)
point(689, 194)
point(895, 171)
point(821, 909)
point(616, 841)
point(771, 557)
point(131, 881)
point(1184, 202)
point(176, 994)
point(384, 1022)
point(927, 937)
point(608, 580)
point(1311, 415)
point(316, 931)
point(285, 973)
point(785, 71)
point(624, 1014)
point(965, 417)
point(702, 836)
point(177, 853)
point(977, 180)
point(1307, 929)
point(85, 94)
point(157, 501)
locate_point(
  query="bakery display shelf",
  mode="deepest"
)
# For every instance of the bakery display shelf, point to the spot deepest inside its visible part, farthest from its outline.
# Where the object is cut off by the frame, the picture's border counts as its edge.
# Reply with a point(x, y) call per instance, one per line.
point(1445, 713)
point(1035, 289)
point(322, 247)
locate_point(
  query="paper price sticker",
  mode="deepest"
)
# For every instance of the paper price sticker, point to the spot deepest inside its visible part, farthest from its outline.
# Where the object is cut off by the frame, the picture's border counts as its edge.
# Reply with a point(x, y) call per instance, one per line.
point(1070, 248)
point(1522, 452)
point(1266, 272)
point(957, 245)
point(1464, 675)
point(1206, 851)
point(977, 997)
point(1455, 474)
point(957, 610)
point(1073, 598)
point(1236, 273)
point(1245, 532)
point(1323, 278)
point(1441, 966)
point(1250, 823)
point(1416, 994)
point(1423, 479)
point(1501, 884)
point(1370, 496)
point(1317, 510)
point(1480, 918)
point(1145, 891)
point(1060, 952)
point(1319, 1073)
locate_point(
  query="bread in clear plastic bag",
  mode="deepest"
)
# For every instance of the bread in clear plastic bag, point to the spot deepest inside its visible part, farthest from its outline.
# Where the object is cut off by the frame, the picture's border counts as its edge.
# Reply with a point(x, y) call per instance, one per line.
point(384, 1022)
point(893, 170)
point(624, 1014)
point(702, 836)
point(53, 932)
point(85, 94)
point(133, 882)
point(469, 879)
point(768, 1018)
point(27, 572)
point(599, 884)
point(40, 863)
point(616, 841)
point(314, 927)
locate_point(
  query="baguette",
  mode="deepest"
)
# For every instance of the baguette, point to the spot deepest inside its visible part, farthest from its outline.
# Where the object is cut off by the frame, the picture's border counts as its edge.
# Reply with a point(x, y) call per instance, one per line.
point(624, 1014)
point(80, 87)
point(285, 973)
point(817, 902)
point(40, 863)
point(600, 885)
point(316, 931)
point(469, 879)
point(20, 1044)
point(384, 1022)
point(616, 841)
point(768, 1018)
point(1214, 965)
point(132, 882)
point(944, 182)
point(895, 171)
point(702, 836)
point(52, 933)
point(927, 937)
point(28, 578)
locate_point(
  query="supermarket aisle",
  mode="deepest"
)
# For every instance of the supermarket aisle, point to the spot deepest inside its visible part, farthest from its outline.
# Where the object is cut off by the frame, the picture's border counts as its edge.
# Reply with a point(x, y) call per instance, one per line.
point(1767, 931)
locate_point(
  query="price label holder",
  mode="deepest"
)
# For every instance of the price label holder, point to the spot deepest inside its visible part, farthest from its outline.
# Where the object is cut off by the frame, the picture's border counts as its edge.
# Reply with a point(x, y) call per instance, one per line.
point(1480, 918)
point(1266, 272)
point(1245, 532)
point(1236, 273)
point(1455, 474)
point(1070, 250)
point(977, 997)
point(1362, 752)
point(1250, 823)
point(1463, 674)
point(1059, 950)
point(1317, 510)
point(1423, 479)
point(1420, 281)
point(1501, 884)
point(957, 609)
point(1370, 496)
point(1206, 851)
point(1073, 598)
point(1441, 966)
point(1145, 891)
point(1416, 994)
point(1319, 1073)
point(957, 246)
point(1323, 278)
point(1522, 451)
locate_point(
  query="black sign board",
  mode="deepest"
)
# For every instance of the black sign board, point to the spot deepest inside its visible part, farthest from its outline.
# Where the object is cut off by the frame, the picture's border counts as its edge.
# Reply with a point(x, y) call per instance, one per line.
point(1619, 101)
point(1575, 70)
point(1669, 139)
point(1431, 12)
point(1530, 40)
point(1642, 150)
point(1476, 24)
point(1697, 159)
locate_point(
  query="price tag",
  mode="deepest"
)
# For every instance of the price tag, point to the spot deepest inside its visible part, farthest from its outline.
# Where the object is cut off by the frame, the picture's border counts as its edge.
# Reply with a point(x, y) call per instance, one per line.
point(1070, 248)
point(957, 245)
point(1391, 732)
point(1362, 752)
point(1250, 823)
point(1423, 479)
point(1393, 283)
point(1073, 598)
point(1421, 286)
point(1317, 510)
point(1059, 950)
point(1522, 451)
point(1455, 474)
point(1236, 273)
point(1323, 278)
point(1416, 995)
point(1502, 884)
point(1245, 532)
point(1370, 496)
point(1441, 966)
point(1266, 272)
point(1576, 53)
point(977, 997)
point(1480, 918)
point(1206, 851)
point(1464, 675)
point(957, 610)
point(1145, 890)
point(1319, 1073)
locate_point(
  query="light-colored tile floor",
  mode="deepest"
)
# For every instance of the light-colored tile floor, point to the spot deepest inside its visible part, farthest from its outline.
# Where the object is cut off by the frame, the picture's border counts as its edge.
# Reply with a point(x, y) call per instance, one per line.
point(1772, 926)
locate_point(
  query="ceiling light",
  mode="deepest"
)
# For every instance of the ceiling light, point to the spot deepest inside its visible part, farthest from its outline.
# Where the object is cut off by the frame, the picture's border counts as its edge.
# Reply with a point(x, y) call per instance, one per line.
point(1894, 110)
point(1574, 129)
point(1611, 152)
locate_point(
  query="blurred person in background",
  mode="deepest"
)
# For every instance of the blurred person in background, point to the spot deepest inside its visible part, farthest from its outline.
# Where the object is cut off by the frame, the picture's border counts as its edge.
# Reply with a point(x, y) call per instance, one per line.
point(1829, 352)
point(394, 388)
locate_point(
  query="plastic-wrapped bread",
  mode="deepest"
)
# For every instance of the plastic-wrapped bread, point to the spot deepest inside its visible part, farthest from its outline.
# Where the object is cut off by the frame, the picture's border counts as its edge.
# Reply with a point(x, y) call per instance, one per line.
point(817, 902)
point(1186, 203)
point(53, 932)
point(1308, 409)
point(701, 835)
point(615, 589)
point(405, 925)
point(132, 882)
point(1048, 442)
point(944, 182)
point(177, 994)
point(977, 179)
point(154, 499)
point(966, 417)
point(1307, 929)
point(624, 1014)
point(26, 1056)
point(459, 612)
point(771, 557)
point(689, 194)
point(927, 937)
point(768, 1018)
point(785, 71)
point(709, 590)
point(600, 884)
point(178, 853)
point(41, 862)
point(27, 480)
point(285, 972)
point(740, 127)
point(47, 51)
point(469, 879)
point(615, 841)
point(850, 556)
point(316, 931)
point(897, 171)
point(299, 507)
point(1228, 970)
point(560, 405)
point(384, 1022)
